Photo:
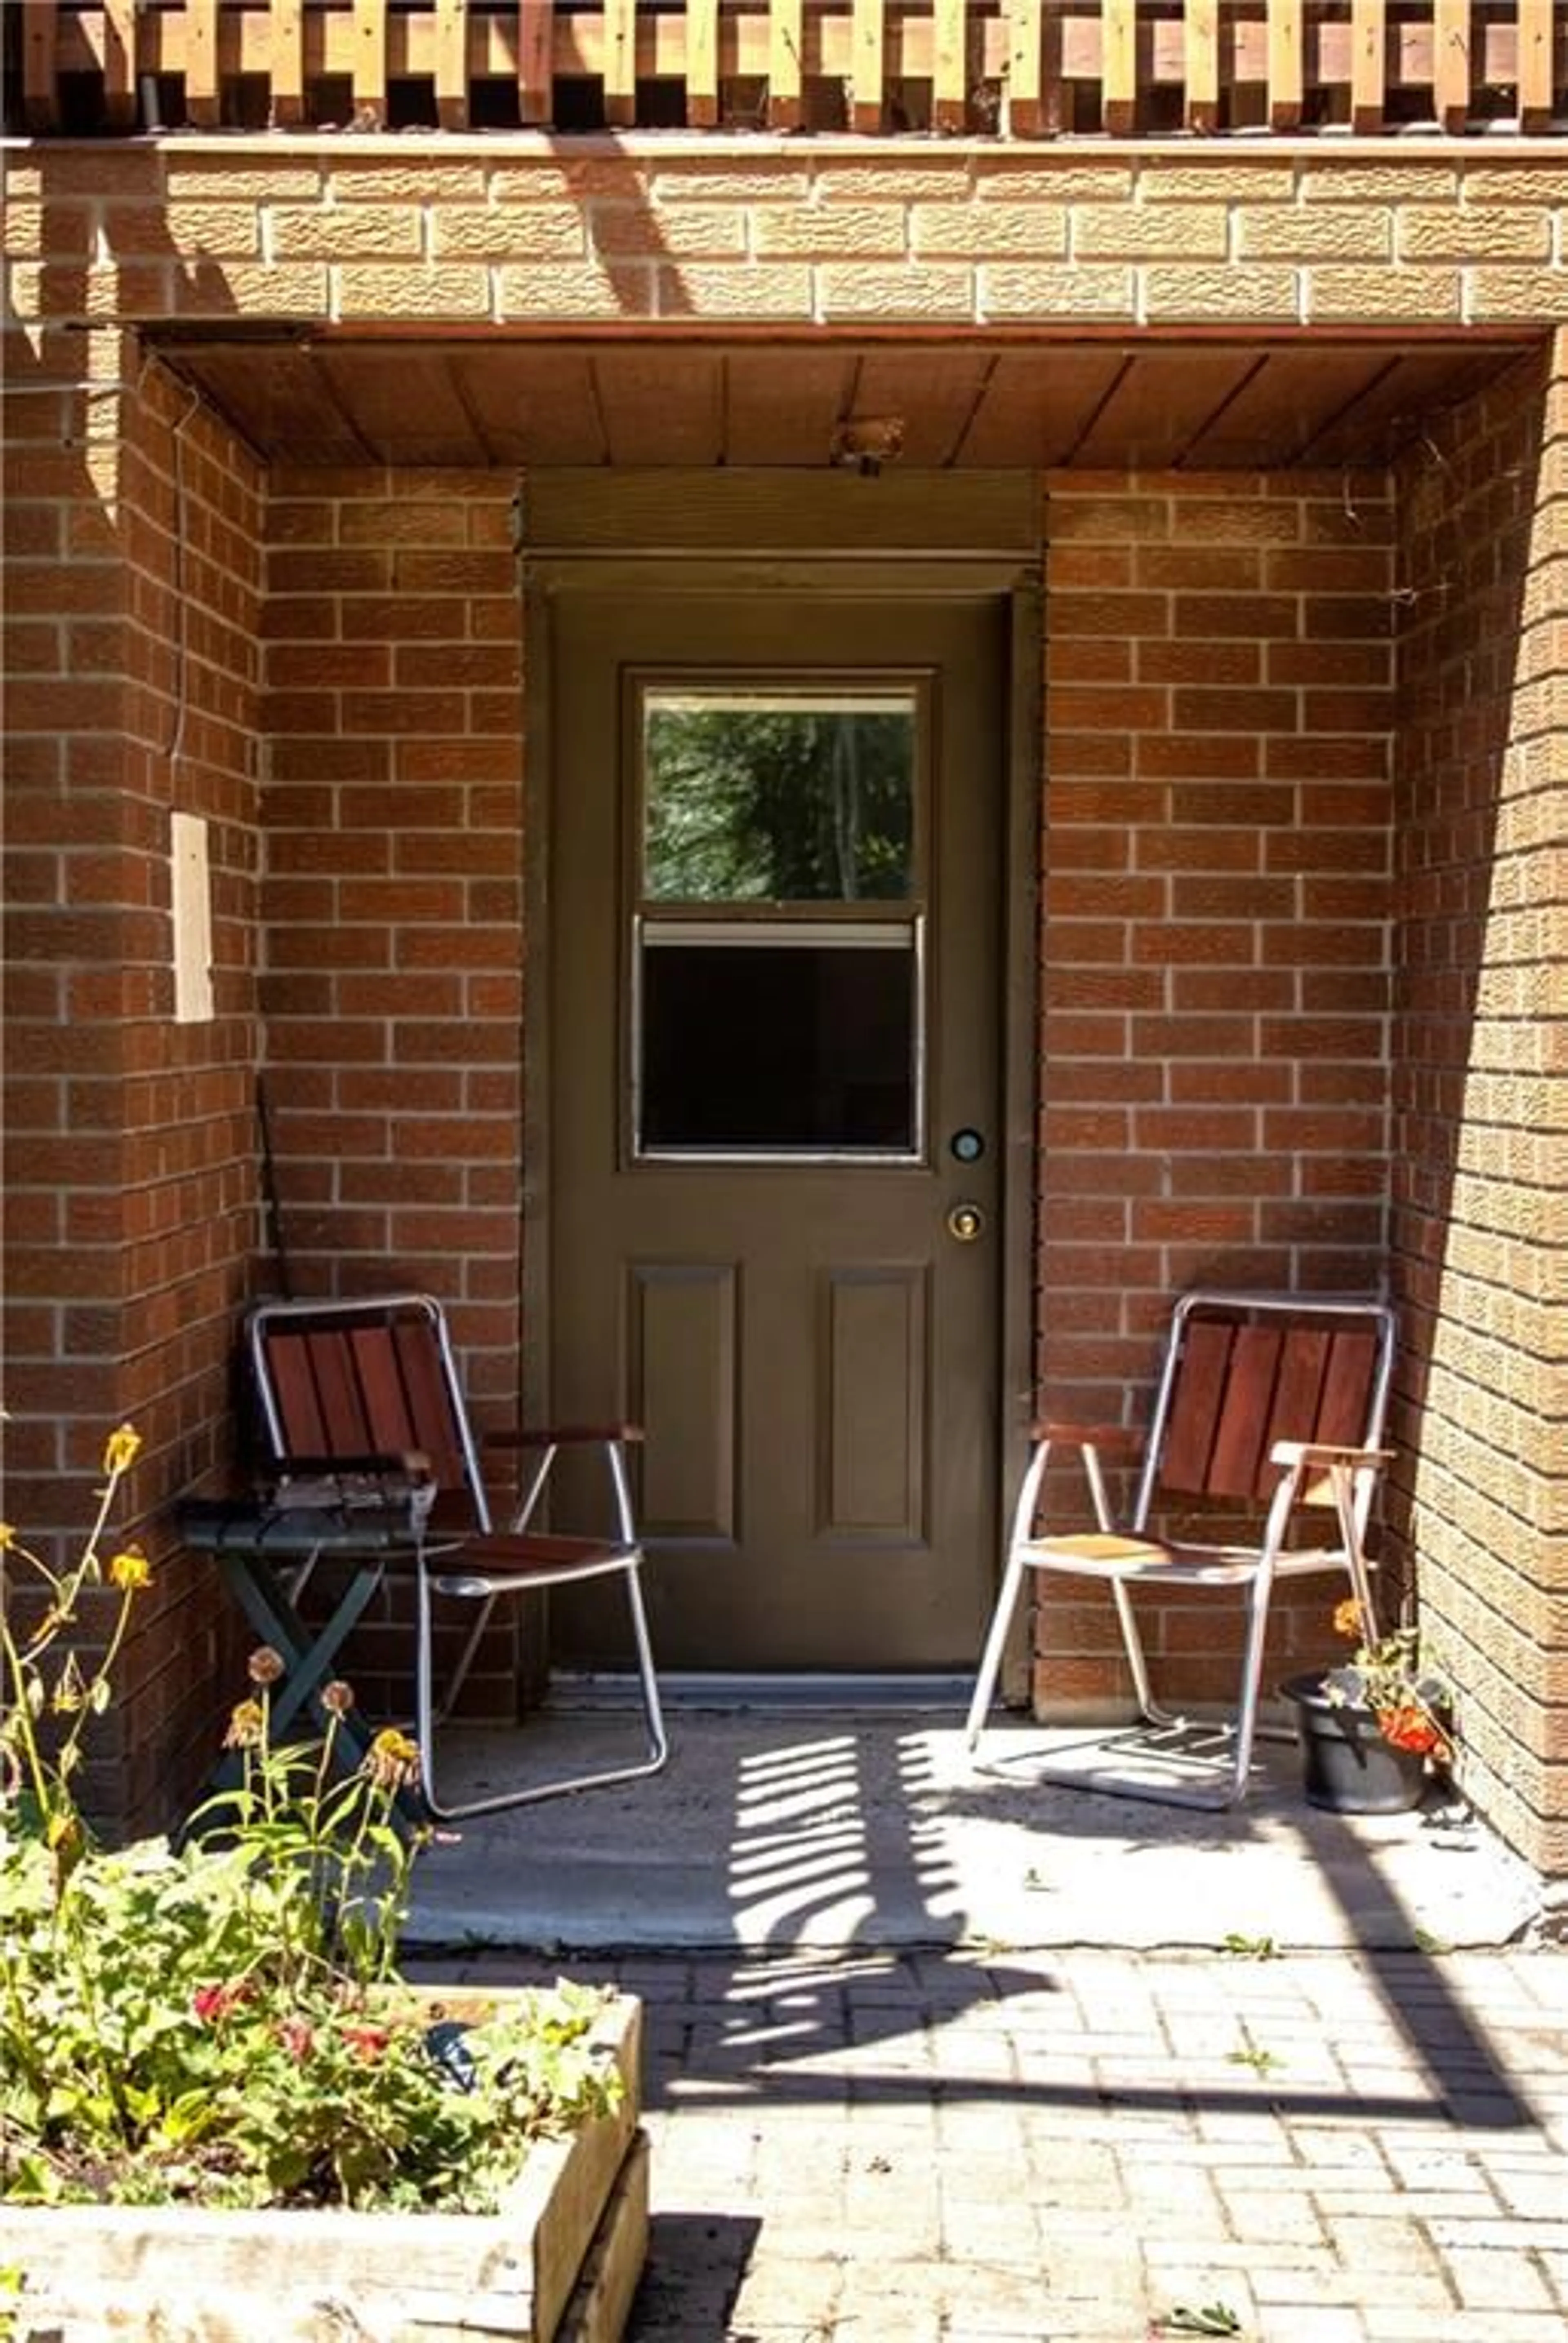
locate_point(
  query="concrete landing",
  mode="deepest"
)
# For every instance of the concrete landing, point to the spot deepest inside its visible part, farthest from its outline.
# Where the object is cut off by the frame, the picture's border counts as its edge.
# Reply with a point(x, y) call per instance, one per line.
point(824, 1829)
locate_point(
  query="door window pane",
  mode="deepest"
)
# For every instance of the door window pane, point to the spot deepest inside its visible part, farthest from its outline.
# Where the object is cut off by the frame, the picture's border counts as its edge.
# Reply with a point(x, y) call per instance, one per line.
point(792, 1041)
point(759, 796)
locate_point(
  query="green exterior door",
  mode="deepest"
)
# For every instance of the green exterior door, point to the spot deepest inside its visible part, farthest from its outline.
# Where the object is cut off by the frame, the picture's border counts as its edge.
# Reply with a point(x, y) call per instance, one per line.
point(774, 922)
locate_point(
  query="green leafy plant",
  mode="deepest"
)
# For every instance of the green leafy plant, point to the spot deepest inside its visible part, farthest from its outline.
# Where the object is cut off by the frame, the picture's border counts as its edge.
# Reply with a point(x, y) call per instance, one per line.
point(1261, 2061)
point(223, 2021)
point(1387, 1675)
point(1205, 2319)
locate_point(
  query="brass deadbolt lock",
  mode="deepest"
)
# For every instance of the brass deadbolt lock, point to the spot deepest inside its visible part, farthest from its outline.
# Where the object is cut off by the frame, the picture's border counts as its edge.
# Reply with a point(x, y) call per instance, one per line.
point(965, 1223)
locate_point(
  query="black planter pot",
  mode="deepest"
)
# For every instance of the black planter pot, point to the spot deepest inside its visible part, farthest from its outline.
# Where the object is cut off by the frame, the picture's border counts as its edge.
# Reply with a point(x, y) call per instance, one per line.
point(1347, 1765)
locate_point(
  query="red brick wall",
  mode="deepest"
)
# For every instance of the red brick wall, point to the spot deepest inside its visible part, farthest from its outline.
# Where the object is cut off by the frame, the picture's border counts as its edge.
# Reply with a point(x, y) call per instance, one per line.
point(392, 913)
point(1216, 1065)
point(131, 589)
point(1482, 1476)
point(1215, 942)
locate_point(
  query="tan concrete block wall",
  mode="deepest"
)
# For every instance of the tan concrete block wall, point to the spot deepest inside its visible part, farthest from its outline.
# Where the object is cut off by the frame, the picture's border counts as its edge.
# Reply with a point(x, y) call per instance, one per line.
point(1214, 1046)
point(132, 585)
point(767, 229)
point(1482, 1083)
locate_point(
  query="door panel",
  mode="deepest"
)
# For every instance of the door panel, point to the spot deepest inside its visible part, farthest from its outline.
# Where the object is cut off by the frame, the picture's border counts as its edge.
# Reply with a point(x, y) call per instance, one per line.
point(681, 1319)
point(873, 1379)
point(755, 1084)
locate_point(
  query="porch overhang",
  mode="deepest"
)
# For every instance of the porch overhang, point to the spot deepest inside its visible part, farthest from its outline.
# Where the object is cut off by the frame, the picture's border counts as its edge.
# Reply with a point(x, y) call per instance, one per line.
point(482, 397)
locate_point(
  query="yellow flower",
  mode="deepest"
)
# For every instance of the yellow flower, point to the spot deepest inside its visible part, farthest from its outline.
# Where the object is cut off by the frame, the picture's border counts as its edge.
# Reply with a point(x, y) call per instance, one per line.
point(130, 1570)
point(69, 1690)
point(7, 1537)
point(246, 1726)
point(392, 1760)
point(122, 1449)
point(1348, 1617)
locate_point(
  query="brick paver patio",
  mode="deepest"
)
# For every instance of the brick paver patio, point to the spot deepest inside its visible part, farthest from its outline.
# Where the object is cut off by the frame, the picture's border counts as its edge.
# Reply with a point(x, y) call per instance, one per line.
point(984, 2146)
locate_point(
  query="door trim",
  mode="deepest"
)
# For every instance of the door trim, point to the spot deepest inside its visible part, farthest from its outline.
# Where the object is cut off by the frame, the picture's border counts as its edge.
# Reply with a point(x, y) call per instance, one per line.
point(625, 515)
point(547, 578)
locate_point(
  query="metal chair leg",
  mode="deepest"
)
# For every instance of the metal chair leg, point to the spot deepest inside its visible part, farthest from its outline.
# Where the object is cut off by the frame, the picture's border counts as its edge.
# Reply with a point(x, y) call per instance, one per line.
point(429, 1718)
point(996, 1643)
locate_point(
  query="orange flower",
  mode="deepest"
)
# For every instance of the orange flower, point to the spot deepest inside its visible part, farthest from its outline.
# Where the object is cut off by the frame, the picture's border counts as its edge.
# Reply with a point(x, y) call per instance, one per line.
point(1348, 1617)
point(213, 2002)
point(1410, 1727)
point(366, 2042)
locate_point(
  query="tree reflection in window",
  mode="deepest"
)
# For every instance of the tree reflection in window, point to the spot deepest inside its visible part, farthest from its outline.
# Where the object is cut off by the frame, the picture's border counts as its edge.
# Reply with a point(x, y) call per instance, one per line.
point(779, 798)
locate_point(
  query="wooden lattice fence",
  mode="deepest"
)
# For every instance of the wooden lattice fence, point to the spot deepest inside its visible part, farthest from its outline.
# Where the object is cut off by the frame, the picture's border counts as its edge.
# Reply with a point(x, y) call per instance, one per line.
point(1019, 68)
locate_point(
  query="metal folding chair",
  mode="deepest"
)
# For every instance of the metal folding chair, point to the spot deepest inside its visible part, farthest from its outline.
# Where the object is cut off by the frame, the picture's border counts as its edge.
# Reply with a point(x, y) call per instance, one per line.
point(1268, 1412)
point(350, 1389)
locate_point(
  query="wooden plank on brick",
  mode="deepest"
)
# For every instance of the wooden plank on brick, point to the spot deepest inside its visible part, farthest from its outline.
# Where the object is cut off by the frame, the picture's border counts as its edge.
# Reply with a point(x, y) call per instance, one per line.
point(701, 64)
point(120, 63)
point(535, 48)
point(948, 110)
point(867, 67)
point(620, 63)
point(452, 64)
point(784, 63)
point(1450, 64)
point(1535, 64)
point(1119, 65)
point(1202, 99)
point(1023, 68)
point(39, 95)
point(1284, 64)
point(285, 61)
point(369, 70)
point(1369, 71)
point(202, 105)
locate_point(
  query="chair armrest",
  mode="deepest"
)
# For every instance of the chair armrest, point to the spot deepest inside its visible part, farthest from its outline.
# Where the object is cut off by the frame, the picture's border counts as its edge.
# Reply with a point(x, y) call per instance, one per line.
point(561, 1435)
point(1322, 1453)
point(1047, 1433)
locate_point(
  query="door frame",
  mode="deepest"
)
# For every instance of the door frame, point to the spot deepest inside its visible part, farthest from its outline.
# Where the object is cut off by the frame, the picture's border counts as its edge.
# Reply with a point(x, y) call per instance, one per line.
point(588, 538)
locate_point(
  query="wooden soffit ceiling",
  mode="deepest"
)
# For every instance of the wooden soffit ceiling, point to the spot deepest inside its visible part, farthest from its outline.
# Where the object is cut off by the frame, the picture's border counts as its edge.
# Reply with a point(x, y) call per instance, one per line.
point(1204, 404)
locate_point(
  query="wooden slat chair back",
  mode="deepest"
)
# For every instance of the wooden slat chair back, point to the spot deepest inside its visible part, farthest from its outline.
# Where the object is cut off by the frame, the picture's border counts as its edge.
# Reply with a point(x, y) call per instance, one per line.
point(380, 1387)
point(1240, 1386)
point(1267, 1414)
point(365, 1394)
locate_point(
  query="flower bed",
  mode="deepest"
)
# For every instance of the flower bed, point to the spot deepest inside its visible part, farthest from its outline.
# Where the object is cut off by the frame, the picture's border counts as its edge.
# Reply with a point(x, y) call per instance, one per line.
point(558, 2262)
point(223, 2110)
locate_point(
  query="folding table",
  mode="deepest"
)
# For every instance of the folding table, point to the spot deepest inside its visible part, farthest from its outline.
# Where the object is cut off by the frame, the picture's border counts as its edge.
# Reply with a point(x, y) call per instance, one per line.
point(266, 1552)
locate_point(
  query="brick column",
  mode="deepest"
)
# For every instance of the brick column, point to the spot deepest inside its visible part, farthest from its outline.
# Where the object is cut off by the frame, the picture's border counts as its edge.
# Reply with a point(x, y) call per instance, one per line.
point(394, 924)
point(132, 566)
point(1216, 897)
point(1480, 1162)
